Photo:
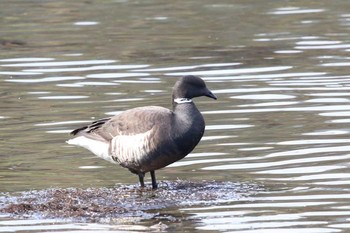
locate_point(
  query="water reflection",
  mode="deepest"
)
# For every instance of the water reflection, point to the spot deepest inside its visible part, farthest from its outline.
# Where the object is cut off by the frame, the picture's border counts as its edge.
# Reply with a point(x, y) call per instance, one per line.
point(64, 226)
point(294, 10)
point(281, 119)
point(58, 63)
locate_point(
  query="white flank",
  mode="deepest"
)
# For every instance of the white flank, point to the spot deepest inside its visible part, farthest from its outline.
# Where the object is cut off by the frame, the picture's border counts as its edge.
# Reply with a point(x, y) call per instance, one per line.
point(97, 147)
point(130, 149)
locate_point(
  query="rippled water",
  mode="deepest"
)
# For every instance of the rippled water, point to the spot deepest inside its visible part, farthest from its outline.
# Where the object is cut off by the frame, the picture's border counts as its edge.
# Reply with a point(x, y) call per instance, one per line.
point(279, 69)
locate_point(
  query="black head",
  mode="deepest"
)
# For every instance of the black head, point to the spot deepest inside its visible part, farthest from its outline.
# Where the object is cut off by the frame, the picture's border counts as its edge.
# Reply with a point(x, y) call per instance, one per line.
point(191, 86)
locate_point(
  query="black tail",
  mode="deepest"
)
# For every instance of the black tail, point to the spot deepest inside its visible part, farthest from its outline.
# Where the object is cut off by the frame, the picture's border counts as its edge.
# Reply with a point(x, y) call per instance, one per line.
point(89, 128)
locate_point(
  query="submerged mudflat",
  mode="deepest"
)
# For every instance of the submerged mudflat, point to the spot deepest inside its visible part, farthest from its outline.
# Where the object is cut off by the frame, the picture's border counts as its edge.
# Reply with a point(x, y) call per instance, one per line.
point(121, 203)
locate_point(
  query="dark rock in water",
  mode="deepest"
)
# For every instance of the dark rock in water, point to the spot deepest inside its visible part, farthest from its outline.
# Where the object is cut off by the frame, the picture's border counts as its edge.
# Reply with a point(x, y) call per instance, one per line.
point(11, 43)
point(121, 203)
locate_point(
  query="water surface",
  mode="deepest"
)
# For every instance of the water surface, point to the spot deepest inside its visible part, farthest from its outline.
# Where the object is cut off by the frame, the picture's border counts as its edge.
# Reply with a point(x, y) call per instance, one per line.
point(279, 69)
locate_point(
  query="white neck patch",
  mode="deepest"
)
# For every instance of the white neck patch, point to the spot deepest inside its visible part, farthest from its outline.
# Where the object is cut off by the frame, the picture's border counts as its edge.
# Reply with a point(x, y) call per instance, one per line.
point(182, 100)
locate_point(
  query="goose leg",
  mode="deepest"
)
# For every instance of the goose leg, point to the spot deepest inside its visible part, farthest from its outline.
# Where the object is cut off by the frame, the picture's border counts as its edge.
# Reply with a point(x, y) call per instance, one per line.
point(154, 182)
point(141, 176)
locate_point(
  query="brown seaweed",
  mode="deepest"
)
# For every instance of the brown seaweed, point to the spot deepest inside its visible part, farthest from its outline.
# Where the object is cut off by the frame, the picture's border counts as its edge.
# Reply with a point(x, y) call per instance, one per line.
point(120, 202)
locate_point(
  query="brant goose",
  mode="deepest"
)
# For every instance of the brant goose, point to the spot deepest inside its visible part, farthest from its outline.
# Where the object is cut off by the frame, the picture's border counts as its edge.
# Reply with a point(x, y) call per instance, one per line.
point(145, 139)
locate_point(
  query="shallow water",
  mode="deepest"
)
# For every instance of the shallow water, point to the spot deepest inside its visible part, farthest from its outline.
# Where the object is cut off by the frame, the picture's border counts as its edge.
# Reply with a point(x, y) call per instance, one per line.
point(279, 69)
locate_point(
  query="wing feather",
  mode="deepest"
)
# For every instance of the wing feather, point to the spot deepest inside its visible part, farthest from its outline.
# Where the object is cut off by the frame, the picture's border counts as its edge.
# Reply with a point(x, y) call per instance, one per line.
point(130, 136)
